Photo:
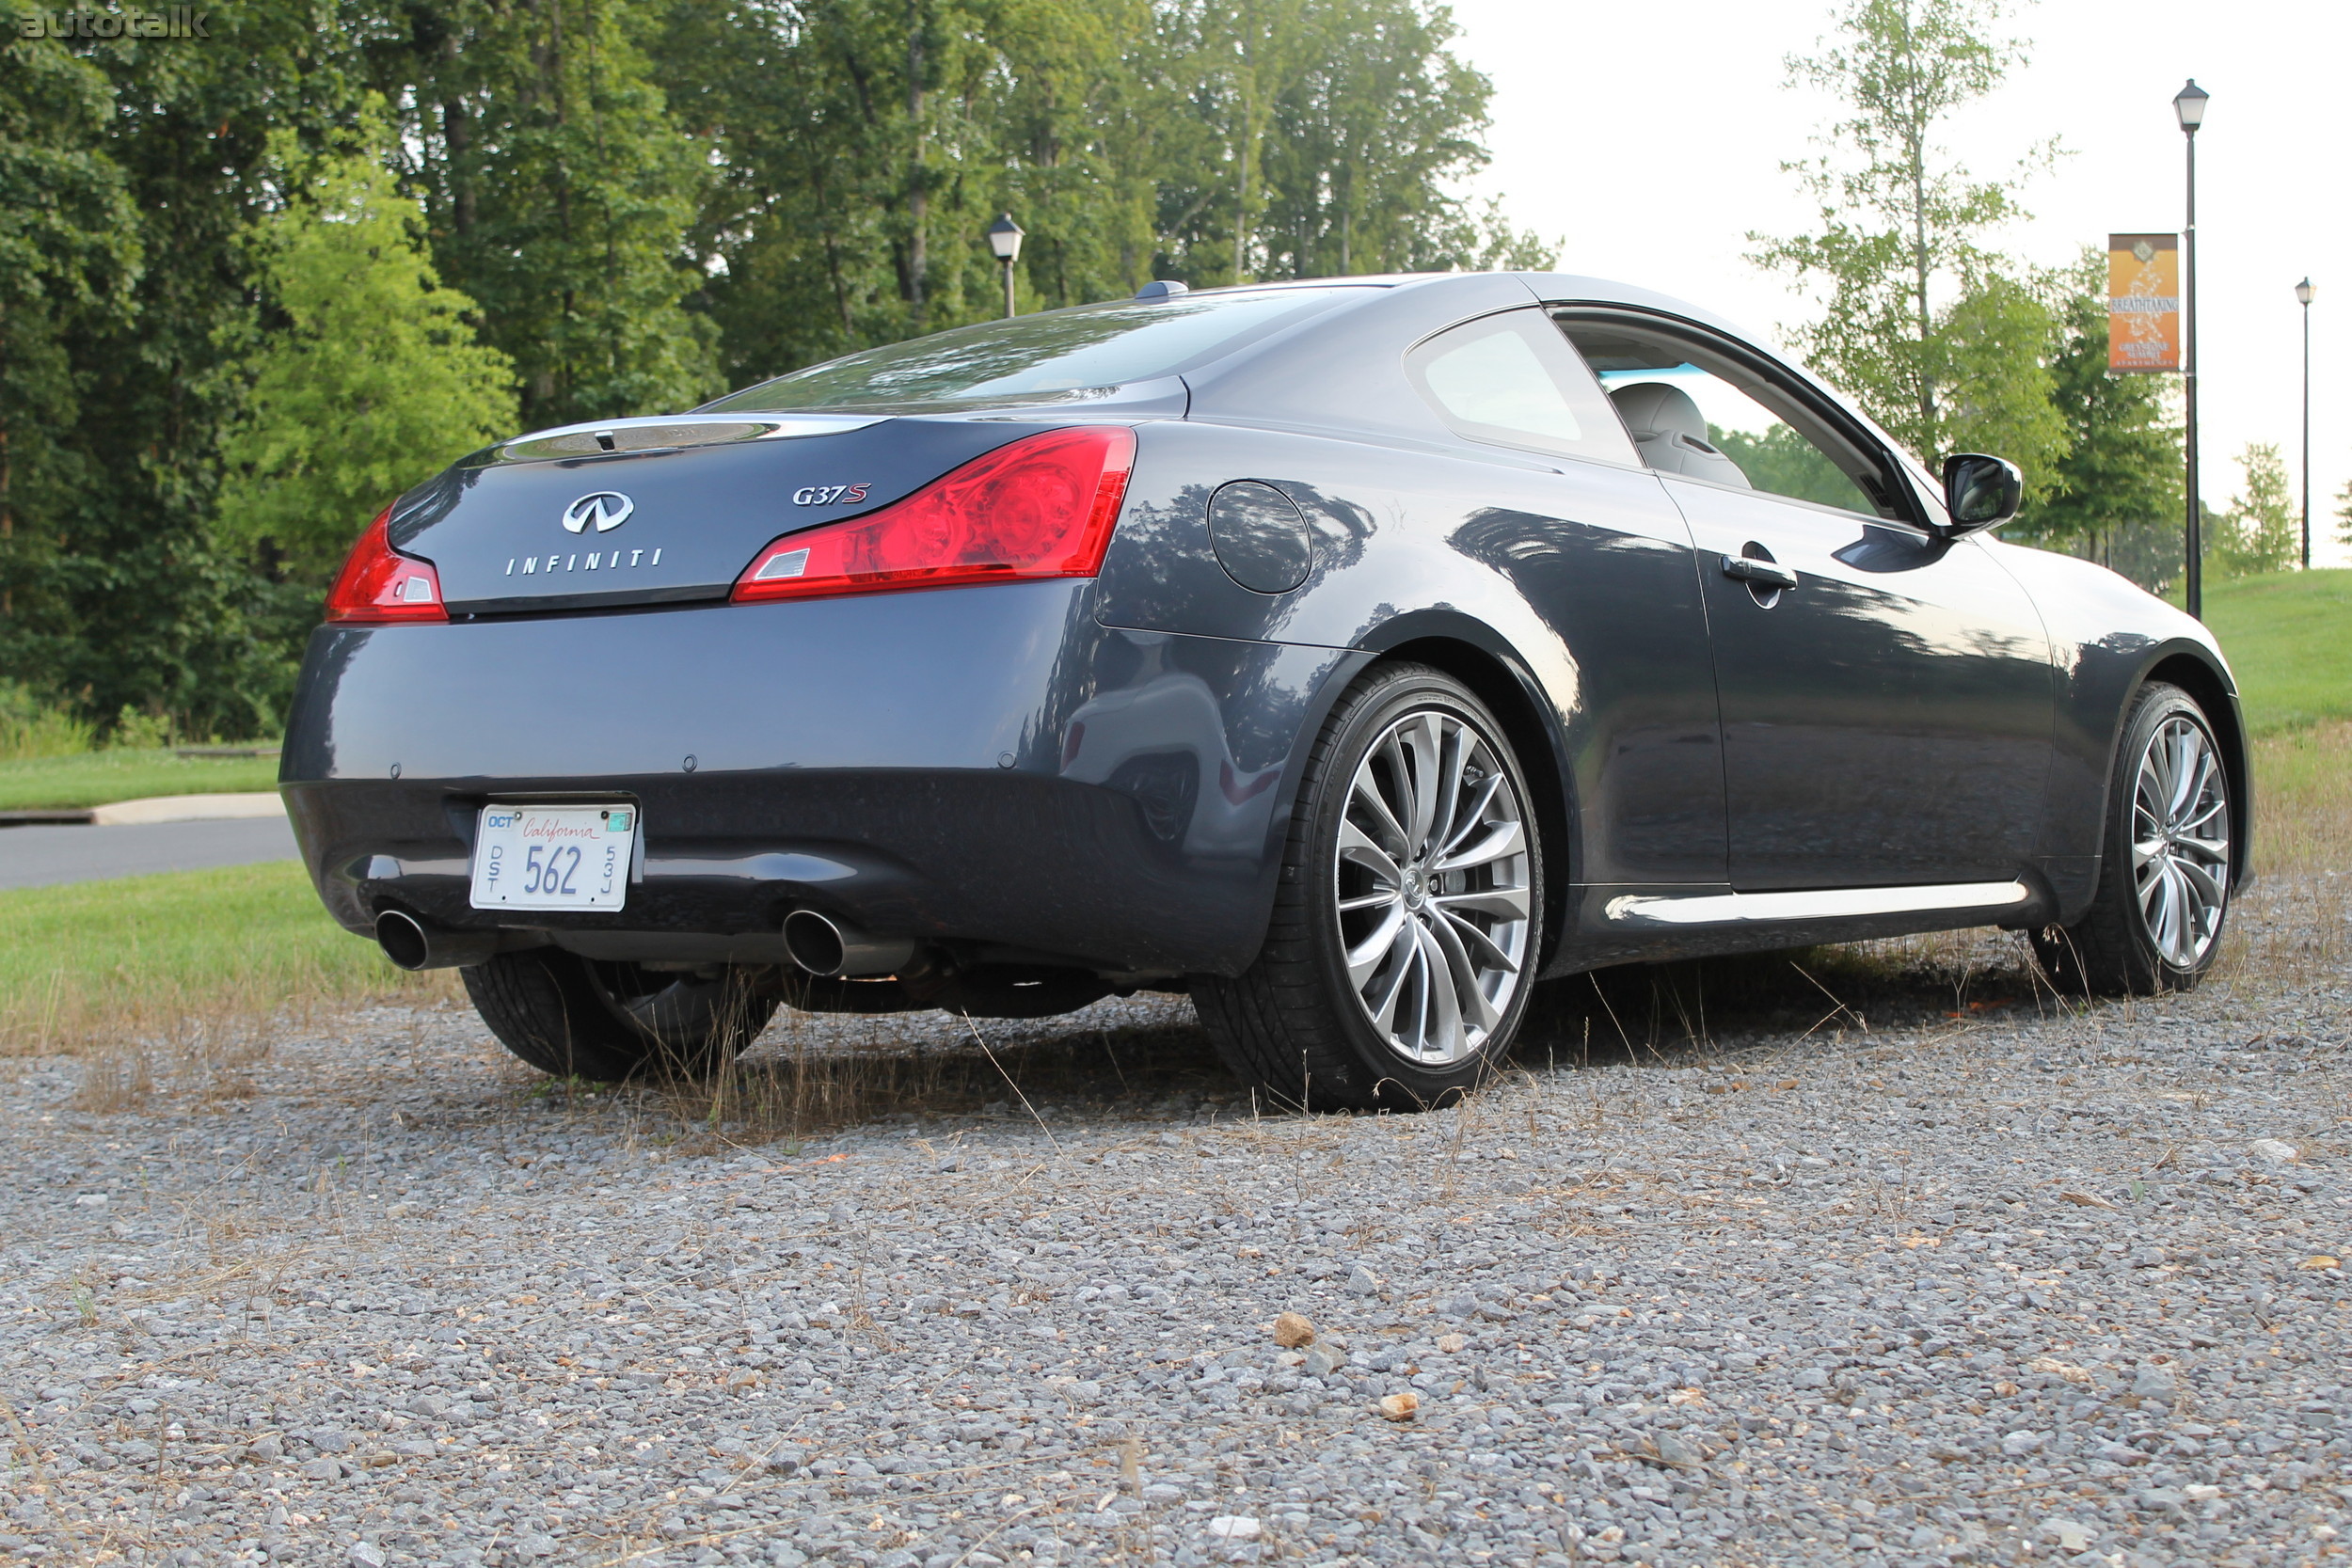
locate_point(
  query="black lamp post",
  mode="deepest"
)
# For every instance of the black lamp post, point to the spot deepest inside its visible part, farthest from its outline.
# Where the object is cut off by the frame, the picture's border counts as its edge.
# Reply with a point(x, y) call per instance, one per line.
point(2189, 103)
point(2303, 292)
point(1004, 238)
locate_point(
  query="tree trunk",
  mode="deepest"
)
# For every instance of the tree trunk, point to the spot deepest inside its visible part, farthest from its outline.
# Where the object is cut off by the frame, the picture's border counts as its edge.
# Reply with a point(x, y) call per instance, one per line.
point(919, 197)
point(458, 144)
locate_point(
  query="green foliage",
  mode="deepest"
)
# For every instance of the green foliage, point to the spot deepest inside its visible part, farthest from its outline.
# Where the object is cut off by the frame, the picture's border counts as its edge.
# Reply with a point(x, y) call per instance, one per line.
point(561, 190)
point(1921, 322)
point(224, 339)
point(2288, 636)
point(2262, 530)
point(2115, 483)
point(123, 773)
point(116, 589)
point(2343, 514)
point(1785, 463)
point(251, 938)
point(31, 728)
point(863, 145)
point(373, 381)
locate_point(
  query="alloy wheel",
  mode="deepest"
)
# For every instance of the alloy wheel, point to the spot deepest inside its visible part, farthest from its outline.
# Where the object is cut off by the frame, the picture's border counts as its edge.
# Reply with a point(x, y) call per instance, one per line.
point(2181, 842)
point(1433, 888)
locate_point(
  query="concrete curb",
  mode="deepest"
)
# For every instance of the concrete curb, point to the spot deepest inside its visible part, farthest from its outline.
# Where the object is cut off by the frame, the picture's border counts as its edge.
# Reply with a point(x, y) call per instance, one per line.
point(187, 807)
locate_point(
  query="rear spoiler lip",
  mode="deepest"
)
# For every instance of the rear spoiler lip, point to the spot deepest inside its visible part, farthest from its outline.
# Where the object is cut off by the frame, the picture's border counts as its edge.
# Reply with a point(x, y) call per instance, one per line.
point(618, 437)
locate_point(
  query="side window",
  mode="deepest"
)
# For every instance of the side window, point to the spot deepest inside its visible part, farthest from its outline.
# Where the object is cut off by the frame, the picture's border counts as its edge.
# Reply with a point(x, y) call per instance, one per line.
point(1694, 420)
point(1513, 380)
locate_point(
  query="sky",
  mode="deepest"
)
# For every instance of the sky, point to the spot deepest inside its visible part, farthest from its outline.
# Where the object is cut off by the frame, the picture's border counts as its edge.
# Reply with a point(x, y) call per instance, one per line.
point(1647, 140)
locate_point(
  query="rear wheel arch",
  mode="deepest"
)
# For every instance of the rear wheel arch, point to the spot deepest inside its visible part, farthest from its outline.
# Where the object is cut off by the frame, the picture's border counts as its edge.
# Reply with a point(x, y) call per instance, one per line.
point(1498, 679)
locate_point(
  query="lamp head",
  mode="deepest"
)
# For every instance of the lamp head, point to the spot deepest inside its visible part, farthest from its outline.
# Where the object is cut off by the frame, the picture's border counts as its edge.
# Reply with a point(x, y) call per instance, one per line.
point(2304, 291)
point(2189, 103)
point(1004, 238)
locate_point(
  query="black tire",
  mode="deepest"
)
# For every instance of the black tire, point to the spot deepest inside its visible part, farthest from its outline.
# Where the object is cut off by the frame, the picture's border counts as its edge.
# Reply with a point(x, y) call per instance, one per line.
point(610, 1021)
point(2118, 948)
point(1293, 1024)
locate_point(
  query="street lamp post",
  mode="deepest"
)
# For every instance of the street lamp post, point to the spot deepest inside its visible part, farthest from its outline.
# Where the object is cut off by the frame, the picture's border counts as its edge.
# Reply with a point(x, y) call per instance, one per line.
point(1004, 238)
point(2303, 292)
point(2189, 104)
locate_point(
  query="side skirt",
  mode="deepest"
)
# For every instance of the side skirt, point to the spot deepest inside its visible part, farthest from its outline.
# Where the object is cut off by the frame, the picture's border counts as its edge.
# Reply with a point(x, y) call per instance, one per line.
point(1629, 925)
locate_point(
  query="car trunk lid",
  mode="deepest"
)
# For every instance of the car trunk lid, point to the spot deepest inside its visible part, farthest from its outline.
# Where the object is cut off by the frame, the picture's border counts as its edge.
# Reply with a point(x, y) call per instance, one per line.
point(640, 512)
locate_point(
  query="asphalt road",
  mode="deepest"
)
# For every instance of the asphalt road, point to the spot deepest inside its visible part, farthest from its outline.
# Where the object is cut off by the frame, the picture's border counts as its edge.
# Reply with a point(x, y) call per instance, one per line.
point(41, 857)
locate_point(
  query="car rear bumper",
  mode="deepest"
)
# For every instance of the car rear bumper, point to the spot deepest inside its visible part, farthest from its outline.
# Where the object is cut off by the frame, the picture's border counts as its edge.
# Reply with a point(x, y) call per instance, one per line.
point(986, 769)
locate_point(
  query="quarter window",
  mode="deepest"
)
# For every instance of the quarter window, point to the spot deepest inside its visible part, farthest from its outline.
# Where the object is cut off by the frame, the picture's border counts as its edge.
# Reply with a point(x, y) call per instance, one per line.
point(1513, 380)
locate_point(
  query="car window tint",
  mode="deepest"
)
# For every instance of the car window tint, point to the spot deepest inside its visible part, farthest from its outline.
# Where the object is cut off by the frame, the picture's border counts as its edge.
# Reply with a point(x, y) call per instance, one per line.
point(1752, 447)
point(1513, 380)
point(1695, 409)
point(1053, 355)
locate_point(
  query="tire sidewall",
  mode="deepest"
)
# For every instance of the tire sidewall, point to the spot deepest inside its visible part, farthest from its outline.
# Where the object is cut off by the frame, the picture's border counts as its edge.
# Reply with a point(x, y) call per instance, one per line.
point(1388, 1078)
point(2162, 704)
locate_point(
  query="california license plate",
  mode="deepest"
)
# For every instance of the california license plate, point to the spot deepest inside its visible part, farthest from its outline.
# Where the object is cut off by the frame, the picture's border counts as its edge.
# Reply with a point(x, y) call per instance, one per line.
point(553, 857)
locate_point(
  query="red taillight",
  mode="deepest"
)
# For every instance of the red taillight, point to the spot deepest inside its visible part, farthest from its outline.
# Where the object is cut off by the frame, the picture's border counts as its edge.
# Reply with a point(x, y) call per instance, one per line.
point(378, 583)
point(1042, 507)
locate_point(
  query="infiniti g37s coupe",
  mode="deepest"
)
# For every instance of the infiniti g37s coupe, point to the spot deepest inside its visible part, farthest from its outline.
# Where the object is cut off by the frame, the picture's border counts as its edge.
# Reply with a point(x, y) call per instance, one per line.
point(1351, 654)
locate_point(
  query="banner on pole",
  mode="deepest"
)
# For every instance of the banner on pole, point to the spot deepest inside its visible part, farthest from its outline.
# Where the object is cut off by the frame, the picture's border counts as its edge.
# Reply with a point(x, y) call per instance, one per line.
point(2143, 302)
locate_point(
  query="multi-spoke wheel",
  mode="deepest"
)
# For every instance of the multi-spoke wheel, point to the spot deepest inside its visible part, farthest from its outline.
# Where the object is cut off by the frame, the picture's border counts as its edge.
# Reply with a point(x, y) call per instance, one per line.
point(2166, 869)
point(1432, 888)
point(1407, 923)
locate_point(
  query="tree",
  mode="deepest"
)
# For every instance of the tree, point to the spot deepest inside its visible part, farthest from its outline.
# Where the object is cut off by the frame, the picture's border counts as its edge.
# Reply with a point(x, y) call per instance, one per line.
point(561, 192)
point(371, 378)
point(2119, 471)
point(1921, 322)
point(2343, 516)
point(2259, 532)
point(70, 255)
point(123, 594)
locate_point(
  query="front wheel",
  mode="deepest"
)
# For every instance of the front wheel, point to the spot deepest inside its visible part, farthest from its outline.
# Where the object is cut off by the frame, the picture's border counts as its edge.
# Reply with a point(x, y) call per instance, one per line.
point(569, 1016)
point(1410, 914)
point(2154, 923)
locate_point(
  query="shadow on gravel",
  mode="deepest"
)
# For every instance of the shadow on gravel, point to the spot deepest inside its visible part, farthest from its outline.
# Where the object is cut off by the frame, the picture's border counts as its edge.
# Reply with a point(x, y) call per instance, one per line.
point(1146, 1057)
point(1664, 1013)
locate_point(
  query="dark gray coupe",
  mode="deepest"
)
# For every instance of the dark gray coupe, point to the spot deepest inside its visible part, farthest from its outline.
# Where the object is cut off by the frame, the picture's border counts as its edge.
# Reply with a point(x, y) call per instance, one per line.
point(1351, 654)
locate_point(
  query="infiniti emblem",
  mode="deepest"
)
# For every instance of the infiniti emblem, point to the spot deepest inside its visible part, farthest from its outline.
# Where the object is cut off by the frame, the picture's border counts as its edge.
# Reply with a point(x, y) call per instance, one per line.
point(606, 509)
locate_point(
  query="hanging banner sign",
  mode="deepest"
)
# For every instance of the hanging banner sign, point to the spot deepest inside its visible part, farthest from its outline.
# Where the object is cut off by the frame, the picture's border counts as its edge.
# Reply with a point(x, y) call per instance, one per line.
point(2143, 302)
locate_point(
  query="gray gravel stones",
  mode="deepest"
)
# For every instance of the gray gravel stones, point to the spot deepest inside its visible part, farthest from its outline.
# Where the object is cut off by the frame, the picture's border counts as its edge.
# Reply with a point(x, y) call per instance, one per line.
point(2008, 1289)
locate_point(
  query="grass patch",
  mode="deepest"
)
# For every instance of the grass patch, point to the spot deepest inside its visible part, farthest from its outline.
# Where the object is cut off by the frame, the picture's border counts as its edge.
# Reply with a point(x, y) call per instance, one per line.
point(176, 956)
point(2288, 636)
point(97, 778)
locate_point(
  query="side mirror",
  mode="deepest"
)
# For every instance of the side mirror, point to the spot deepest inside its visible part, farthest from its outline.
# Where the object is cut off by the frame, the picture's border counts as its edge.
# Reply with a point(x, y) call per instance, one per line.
point(1981, 491)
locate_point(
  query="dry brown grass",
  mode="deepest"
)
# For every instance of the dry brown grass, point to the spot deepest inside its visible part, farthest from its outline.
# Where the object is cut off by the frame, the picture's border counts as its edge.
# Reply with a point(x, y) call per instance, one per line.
point(2292, 926)
point(813, 1073)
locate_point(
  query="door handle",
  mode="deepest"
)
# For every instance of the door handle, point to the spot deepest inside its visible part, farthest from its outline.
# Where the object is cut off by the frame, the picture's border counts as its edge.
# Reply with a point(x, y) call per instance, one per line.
point(1764, 574)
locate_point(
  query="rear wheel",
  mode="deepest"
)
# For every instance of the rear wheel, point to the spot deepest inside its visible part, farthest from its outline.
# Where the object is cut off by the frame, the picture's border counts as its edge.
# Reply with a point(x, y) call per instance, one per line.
point(1398, 963)
point(576, 1019)
point(2155, 921)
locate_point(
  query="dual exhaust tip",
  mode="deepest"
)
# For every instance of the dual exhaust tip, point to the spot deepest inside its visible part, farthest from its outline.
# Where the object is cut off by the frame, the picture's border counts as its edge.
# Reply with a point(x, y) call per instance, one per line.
point(831, 951)
point(817, 943)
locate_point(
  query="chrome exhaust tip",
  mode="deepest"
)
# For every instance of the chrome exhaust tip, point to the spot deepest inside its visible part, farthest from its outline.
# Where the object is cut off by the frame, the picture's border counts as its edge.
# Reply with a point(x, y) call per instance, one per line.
point(412, 944)
point(830, 950)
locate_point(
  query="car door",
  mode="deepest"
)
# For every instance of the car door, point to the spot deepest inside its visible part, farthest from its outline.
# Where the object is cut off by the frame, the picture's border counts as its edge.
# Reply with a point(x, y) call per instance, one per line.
point(1599, 553)
point(1887, 695)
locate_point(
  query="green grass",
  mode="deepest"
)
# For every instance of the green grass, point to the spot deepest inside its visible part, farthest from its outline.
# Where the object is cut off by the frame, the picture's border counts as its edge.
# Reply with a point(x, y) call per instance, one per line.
point(2288, 636)
point(93, 960)
point(96, 778)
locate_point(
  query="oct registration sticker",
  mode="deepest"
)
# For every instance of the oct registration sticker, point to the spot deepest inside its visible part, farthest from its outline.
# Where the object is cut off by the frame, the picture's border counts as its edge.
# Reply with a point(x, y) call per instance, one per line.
point(553, 857)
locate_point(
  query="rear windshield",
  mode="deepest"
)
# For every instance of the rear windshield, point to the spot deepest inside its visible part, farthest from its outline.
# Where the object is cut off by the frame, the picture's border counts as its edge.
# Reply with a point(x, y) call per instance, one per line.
point(1045, 357)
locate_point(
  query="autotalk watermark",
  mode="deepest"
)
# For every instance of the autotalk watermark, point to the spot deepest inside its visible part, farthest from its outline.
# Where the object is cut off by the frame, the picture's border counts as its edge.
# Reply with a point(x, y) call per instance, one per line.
point(173, 21)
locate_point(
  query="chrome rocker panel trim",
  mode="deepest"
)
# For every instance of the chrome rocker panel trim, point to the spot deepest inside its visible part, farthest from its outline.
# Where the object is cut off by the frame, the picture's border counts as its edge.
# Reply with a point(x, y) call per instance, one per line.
point(1718, 909)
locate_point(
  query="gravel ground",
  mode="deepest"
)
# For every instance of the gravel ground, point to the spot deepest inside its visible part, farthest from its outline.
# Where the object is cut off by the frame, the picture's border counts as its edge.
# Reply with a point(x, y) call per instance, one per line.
point(1975, 1280)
